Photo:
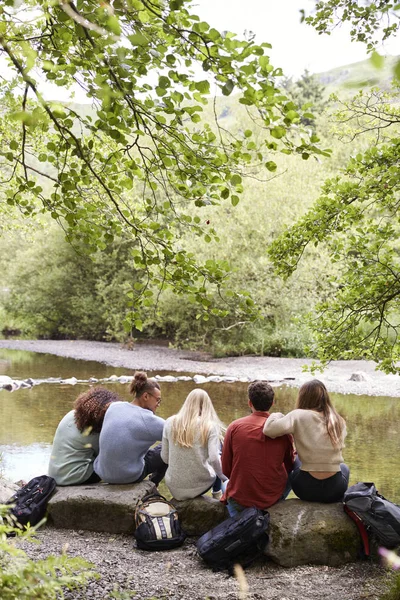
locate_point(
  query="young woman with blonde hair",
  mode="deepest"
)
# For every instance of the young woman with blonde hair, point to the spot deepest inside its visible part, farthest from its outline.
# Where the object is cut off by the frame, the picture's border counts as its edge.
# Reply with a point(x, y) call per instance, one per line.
point(318, 432)
point(191, 447)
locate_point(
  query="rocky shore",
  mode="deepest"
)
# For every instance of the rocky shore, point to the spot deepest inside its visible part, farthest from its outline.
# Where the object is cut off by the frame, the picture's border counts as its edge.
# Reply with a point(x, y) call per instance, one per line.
point(345, 377)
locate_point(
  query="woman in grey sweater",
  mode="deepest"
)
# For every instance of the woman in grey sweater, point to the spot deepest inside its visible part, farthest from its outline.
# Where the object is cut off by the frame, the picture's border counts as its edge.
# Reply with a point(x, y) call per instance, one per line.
point(191, 447)
point(129, 431)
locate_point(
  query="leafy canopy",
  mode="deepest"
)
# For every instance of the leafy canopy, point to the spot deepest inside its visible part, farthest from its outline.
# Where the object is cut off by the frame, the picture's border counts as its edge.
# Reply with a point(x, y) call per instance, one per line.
point(141, 162)
point(357, 218)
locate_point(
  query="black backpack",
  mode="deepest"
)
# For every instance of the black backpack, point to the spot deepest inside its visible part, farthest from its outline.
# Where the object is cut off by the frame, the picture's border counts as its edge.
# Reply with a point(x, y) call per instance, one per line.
point(240, 539)
point(30, 501)
point(373, 514)
point(157, 524)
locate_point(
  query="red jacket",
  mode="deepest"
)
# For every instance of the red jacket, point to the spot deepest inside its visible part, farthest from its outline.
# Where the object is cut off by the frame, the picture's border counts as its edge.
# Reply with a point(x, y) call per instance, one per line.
point(257, 466)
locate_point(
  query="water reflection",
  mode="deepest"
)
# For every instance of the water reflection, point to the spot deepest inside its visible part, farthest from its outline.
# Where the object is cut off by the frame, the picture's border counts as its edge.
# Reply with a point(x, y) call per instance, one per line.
point(28, 418)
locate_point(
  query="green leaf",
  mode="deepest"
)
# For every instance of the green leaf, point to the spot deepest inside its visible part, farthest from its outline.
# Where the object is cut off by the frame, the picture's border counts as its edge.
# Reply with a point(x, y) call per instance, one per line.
point(235, 200)
point(228, 87)
point(138, 39)
point(271, 166)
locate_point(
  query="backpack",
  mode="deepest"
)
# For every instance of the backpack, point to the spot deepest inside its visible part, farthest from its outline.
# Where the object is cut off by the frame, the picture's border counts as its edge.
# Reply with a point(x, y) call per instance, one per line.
point(30, 501)
point(157, 524)
point(373, 514)
point(239, 539)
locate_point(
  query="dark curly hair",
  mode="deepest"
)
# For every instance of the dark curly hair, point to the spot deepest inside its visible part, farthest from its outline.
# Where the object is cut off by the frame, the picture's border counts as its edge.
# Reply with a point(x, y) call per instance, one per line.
point(91, 406)
point(141, 384)
point(261, 395)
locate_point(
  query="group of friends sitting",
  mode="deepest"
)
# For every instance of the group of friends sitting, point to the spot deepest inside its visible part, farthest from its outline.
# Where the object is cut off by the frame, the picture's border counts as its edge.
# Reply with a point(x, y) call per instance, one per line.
point(256, 461)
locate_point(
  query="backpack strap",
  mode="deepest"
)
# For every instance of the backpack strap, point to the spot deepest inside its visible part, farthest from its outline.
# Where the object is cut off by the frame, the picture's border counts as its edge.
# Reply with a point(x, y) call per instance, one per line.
point(361, 528)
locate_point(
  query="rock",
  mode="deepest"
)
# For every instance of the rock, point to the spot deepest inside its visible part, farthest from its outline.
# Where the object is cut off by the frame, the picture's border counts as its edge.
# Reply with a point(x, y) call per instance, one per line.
point(200, 514)
point(184, 378)
point(311, 533)
point(113, 378)
point(70, 381)
point(359, 376)
point(93, 380)
point(166, 378)
point(97, 507)
point(215, 379)
point(200, 379)
point(6, 383)
point(125, 378)
point(7, 489)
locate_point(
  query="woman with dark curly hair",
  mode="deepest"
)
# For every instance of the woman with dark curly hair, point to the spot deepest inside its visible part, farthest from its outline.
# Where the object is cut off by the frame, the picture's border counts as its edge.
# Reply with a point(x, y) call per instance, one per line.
point(76, 441)
point(129, 431)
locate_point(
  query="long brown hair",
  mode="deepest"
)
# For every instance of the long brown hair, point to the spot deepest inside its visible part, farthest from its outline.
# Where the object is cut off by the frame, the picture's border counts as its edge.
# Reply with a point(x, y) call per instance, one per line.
point(313, 395)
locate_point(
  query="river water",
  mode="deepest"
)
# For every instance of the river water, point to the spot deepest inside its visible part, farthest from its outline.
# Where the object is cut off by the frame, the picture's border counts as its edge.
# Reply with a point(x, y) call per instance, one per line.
point(29, 417)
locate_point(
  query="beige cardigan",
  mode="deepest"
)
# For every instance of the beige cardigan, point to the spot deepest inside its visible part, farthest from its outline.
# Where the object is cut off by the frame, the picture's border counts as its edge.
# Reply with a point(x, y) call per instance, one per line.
point(313, 444)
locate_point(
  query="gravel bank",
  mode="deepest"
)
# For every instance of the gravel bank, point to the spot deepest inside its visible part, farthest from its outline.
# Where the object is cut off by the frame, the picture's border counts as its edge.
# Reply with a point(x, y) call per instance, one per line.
point(161, 358)
point(180, 574)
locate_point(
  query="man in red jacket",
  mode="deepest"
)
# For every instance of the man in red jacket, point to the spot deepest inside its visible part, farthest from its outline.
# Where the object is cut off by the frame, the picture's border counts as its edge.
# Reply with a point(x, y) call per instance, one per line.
point(257, 466)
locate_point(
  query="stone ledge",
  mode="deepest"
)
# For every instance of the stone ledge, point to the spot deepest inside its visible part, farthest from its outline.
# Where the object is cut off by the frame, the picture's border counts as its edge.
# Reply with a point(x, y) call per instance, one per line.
point(97, 507)
point(311, 533)
point(300, 532)
point(200, 514)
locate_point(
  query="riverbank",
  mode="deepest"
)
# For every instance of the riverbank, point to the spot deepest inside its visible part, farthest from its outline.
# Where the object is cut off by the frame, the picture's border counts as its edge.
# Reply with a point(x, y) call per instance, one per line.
point(180, 575)
point(157, 358)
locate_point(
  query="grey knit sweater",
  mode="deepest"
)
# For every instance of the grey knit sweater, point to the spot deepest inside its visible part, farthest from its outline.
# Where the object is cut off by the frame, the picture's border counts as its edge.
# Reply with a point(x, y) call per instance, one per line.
point(128, 432)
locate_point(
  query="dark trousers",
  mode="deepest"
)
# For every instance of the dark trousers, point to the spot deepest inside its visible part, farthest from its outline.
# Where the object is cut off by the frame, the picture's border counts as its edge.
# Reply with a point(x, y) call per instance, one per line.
point(153, 466)
point(306, 487)
point(94, 478)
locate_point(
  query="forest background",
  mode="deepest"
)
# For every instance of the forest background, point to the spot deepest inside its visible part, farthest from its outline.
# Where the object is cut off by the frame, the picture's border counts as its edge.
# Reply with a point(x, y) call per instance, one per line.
point(85, 283)
point(52, 290)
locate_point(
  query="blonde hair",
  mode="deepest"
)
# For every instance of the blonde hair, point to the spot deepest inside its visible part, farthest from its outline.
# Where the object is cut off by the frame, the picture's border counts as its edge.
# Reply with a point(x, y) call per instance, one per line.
point(313, 395)
point(196, 417)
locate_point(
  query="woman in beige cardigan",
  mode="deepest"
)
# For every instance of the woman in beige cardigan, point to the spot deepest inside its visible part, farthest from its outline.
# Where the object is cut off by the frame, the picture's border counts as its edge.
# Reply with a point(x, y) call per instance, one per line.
point(319, 433)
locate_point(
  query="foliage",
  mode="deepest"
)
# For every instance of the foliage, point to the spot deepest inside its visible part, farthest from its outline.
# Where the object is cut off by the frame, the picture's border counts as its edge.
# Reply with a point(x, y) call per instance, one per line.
point(357, 219)
point(24, 579)
point(370, 21)
point(308, 93)
point(55, 291)
point(143, 160)
point(393, 588)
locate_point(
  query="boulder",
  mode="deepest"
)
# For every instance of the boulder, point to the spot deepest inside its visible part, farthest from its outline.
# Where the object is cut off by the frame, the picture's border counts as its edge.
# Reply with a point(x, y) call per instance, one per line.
point(311, 533)
point(359, 376)
point(7, 489)
point(200, 514)
point(97, 507)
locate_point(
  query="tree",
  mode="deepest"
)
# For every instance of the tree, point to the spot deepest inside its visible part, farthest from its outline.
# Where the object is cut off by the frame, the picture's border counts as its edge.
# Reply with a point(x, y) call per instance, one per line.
point(138, 162)
point(308, 93)
point(357, 217)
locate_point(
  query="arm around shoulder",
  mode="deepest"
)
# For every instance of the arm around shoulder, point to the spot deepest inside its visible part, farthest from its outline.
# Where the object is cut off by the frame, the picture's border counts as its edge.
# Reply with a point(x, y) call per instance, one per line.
point(278, 424)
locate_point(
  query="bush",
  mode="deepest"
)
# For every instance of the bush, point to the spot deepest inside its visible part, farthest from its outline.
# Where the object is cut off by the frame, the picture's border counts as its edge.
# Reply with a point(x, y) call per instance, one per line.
point(24, 579)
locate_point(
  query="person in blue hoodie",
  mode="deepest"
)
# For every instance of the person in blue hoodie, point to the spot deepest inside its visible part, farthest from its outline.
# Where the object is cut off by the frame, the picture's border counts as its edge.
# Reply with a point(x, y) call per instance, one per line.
point(129, 430)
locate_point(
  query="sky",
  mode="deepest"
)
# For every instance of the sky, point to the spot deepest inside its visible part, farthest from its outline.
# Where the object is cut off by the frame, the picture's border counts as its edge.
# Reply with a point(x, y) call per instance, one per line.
point(295, 46)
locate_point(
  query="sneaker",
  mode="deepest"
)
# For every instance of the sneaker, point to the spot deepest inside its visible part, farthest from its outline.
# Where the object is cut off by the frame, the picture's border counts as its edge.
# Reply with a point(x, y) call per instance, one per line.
point(217, 495)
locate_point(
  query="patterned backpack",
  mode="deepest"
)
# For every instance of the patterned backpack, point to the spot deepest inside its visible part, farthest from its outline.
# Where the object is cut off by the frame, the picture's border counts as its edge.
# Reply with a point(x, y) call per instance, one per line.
point(157, 524)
